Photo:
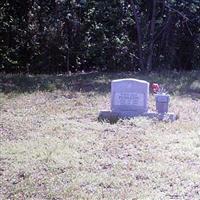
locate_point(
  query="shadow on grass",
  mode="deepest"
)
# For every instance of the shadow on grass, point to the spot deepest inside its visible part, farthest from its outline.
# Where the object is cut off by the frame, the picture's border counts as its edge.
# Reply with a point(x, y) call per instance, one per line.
point(183, 83)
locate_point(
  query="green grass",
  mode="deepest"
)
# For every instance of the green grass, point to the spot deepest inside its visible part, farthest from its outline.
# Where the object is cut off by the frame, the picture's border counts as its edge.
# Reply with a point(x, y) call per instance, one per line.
point(53, 147)
point(181, 83)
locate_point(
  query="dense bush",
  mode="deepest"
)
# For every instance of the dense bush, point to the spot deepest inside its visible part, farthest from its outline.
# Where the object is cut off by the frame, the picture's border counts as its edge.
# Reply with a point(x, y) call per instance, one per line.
point(54, 36)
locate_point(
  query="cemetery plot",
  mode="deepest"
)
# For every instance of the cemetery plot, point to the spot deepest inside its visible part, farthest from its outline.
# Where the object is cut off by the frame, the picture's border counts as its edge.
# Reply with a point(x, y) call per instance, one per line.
point(53, 147)
point(130, 98)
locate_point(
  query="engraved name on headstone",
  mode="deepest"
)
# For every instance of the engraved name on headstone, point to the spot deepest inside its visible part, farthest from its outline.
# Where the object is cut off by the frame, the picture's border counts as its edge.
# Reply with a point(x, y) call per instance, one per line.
point(130, 98)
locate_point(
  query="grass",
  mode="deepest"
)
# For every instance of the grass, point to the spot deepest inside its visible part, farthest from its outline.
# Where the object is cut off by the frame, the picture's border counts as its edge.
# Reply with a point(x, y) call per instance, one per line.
point(53, 147)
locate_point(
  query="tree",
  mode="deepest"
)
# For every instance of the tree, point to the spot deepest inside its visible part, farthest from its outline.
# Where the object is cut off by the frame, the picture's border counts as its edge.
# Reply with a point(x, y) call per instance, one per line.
point(56, 36)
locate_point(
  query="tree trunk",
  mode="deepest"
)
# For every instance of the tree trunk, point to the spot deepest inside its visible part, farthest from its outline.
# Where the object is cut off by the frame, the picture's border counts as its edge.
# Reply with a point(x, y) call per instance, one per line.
point(151, 37)
point(139, 34)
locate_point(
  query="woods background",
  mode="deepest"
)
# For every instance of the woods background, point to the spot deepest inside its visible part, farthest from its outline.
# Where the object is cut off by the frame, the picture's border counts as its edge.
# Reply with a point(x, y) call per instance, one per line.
point(56, 36)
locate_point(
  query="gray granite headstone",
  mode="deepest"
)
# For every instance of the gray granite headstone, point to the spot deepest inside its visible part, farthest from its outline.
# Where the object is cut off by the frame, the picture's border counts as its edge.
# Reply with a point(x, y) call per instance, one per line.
point(129, 97)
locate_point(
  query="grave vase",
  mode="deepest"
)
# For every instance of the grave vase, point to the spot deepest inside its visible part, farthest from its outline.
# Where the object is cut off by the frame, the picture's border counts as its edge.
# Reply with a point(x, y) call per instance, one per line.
point(162, 103)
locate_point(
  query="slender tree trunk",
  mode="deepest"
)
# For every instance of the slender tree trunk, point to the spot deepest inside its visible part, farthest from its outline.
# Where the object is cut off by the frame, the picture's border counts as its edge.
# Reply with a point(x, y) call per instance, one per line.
point(151, 36)
point(139, 33)
point(68, 60)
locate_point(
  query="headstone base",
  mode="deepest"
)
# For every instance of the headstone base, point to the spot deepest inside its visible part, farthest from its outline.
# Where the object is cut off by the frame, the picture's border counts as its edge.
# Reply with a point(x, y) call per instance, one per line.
point(113, 117)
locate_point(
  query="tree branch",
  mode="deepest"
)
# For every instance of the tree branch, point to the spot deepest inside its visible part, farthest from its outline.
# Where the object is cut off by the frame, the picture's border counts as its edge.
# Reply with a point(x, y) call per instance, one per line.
point(177, 11)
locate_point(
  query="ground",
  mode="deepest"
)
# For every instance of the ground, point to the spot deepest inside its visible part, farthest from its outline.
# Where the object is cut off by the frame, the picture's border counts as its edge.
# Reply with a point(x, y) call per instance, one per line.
point(53, 147)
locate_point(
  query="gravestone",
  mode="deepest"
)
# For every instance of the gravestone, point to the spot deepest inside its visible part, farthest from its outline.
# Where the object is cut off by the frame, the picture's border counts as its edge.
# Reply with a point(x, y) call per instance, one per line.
point(129, 97)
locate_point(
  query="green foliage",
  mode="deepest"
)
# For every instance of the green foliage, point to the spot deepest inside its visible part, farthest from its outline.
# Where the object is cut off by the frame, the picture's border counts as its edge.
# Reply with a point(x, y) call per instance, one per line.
point(61, 36)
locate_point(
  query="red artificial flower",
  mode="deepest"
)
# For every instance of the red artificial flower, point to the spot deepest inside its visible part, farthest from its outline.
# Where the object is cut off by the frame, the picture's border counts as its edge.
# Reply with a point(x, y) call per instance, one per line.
point(155, 87)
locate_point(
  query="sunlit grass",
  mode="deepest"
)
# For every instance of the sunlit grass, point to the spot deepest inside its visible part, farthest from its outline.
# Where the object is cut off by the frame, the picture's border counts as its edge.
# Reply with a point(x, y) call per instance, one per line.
point(53, 147)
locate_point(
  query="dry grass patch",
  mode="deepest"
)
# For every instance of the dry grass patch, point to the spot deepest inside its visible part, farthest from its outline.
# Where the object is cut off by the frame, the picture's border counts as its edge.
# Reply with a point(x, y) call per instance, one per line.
point(53, 147)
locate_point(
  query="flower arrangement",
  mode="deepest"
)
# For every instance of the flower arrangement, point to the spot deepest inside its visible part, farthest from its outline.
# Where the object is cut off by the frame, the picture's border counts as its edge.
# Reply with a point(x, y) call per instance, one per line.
point(157, 89)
